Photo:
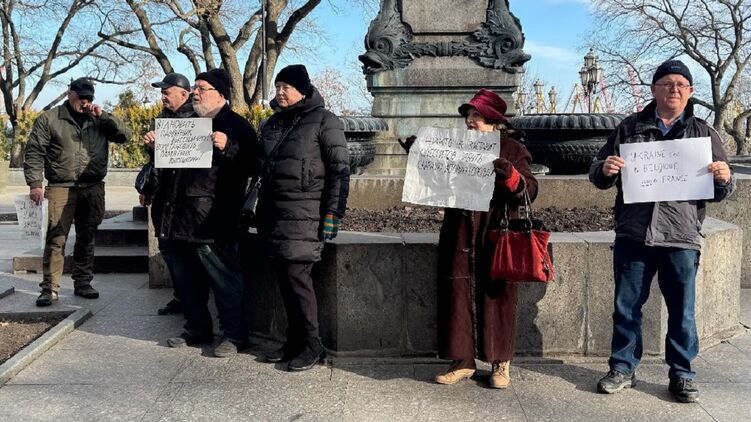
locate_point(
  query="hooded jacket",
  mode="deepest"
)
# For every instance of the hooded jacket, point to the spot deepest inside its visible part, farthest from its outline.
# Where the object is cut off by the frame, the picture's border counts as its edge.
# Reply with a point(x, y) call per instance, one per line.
point(71, 155)
point(669, 223)
point(304, 167)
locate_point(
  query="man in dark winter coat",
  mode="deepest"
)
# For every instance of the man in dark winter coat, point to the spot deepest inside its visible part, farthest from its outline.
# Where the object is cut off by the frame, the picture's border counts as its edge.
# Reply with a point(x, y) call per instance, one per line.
point(658, 237)
point(304, 167)
point(177, 103)
point(196, 213)
point(69, 146)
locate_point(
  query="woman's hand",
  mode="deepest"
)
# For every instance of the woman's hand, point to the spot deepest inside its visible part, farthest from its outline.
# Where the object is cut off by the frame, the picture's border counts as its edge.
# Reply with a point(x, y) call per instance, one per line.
point(503, 168)
point(329, 226)
point(407, 143)
point(507, 175)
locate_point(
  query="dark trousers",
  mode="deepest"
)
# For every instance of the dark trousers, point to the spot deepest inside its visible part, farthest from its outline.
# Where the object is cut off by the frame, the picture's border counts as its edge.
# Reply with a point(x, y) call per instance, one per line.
point(634, 265)
point(85, 207)
point(175, 285)
point(296, 286)
point(195, 268)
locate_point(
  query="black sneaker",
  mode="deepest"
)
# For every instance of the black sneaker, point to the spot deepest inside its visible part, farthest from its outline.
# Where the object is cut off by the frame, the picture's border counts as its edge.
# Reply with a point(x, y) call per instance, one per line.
point(284, 353)
point(684, 390)
point(86, 292)
point(615, 381)
point(186, 339)
point(174, 306)
point(311, 354)
point(46, 298)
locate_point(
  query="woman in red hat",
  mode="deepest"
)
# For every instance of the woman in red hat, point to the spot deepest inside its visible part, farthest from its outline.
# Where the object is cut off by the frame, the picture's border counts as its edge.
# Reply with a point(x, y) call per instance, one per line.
point(477, 315)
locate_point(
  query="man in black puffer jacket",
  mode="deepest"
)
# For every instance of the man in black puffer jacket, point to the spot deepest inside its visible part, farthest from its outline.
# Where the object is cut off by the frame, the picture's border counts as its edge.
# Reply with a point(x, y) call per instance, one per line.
point(196, 213)
point(177, 103)
point(304, 167)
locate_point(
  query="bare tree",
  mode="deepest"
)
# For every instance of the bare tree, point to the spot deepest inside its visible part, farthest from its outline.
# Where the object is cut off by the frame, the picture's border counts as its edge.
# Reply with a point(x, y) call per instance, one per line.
point(714, 34)
point(43, 41)
point(215, 33)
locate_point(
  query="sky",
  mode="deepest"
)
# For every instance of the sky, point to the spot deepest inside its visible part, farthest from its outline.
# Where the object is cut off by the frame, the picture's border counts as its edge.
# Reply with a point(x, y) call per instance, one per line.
point(554, 31)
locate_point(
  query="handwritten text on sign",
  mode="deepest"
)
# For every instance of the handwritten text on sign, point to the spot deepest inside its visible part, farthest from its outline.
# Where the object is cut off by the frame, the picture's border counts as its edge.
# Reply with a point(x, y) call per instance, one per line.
point(32, 218)
point(667, 170)
point(452, 168)
point(183, 143)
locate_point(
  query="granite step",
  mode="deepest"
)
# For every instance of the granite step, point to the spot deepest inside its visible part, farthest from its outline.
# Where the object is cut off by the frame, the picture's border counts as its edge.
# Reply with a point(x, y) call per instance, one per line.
point(121, 247)
point(107, 259)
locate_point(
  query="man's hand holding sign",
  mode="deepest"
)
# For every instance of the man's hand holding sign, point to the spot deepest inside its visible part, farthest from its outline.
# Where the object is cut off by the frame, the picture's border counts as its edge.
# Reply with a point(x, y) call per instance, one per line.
point(674, 170)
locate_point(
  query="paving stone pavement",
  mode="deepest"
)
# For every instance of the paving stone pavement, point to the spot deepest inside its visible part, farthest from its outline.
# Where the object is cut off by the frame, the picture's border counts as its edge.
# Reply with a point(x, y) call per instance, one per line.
point(117, 367)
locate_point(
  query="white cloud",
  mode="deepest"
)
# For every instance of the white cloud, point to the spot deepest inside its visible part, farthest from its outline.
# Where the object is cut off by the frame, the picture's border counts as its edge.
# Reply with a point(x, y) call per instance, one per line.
point(549, 52)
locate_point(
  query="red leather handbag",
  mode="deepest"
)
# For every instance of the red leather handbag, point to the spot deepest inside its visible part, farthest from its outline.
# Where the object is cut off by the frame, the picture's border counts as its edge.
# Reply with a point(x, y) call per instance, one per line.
point(521, 249)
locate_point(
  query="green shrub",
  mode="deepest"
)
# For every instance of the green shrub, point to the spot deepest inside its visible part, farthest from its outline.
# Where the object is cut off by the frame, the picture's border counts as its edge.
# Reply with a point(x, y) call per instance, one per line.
point(14, 141)
point(129, 155)
point(255, 114)
point(133, 153)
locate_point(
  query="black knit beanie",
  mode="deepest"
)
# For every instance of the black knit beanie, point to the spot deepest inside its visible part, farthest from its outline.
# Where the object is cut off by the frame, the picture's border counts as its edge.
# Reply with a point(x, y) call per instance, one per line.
point(219, 79)
point(672, 67)
point(297, 76)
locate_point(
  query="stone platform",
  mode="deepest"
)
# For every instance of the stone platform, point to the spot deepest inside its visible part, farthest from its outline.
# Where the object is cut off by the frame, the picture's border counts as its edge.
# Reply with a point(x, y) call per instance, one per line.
point(570, 192)
point(377, 295)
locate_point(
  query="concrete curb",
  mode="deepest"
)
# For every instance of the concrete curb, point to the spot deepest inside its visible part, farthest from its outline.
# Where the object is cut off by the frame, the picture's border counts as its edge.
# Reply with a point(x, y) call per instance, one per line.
point(7, 292)
point(33, 350)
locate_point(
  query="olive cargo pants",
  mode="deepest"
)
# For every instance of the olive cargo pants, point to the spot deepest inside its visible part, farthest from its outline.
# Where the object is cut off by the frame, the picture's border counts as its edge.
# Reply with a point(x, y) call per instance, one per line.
point(85, 207)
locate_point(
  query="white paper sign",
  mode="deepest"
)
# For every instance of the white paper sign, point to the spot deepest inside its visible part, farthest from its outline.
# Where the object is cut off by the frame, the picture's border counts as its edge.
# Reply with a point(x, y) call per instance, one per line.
point(183, 143)
point(452, 168)
point(667, 170)
point(32, 218)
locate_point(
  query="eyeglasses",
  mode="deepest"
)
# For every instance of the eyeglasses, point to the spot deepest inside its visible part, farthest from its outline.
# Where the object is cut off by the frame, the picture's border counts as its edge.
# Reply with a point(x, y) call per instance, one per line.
point(202, 88)
point(669, 86)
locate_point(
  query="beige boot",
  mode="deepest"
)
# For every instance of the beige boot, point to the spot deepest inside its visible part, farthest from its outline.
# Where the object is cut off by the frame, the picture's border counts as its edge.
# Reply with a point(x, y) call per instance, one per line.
point(499, 376)
point(459, 370)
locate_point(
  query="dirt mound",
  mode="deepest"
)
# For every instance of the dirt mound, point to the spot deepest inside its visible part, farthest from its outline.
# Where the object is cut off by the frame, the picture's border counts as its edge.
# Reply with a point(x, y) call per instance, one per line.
point(427, 220)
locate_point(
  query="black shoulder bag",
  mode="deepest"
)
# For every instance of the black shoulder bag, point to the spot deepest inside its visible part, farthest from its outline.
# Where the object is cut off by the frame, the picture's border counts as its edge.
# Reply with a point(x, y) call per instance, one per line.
point(249, 215)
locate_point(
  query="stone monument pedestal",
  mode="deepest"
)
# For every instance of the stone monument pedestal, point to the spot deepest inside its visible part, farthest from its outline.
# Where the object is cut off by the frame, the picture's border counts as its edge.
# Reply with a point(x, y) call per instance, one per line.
point(425, 59)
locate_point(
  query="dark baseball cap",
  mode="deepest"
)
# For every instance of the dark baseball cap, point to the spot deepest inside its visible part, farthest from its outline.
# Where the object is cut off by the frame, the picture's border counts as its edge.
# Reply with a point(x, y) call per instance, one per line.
point(173, 79)
point(83, 87)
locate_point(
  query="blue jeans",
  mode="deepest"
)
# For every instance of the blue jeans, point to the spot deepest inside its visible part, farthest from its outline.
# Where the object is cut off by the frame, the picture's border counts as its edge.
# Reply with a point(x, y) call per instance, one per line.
point(195, 268)
point(634, 266)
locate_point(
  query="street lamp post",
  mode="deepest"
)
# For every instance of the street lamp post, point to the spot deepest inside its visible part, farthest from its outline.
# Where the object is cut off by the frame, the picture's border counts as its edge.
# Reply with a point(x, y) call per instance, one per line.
point(263, 54)
point(590, 76)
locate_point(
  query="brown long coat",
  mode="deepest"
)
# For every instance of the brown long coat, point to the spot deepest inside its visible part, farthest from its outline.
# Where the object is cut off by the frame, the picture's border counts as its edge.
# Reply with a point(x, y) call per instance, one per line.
point(477, 316)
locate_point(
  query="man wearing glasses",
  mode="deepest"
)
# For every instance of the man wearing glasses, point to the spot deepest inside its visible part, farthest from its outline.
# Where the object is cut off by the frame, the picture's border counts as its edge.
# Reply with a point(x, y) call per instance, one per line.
point(68, 146)
point(196, 214)
point(658, 237)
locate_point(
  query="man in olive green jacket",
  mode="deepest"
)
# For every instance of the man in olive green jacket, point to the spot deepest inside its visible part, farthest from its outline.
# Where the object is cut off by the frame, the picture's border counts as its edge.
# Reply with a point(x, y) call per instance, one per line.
point(68, 146)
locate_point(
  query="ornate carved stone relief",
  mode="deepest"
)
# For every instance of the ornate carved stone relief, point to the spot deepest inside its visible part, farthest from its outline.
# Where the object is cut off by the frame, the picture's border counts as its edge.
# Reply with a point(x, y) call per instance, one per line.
point(496, 44)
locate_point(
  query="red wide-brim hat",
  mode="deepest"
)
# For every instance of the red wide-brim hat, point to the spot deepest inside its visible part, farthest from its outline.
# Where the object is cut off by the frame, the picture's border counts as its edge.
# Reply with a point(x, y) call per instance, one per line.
point(489, 104)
